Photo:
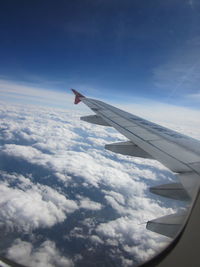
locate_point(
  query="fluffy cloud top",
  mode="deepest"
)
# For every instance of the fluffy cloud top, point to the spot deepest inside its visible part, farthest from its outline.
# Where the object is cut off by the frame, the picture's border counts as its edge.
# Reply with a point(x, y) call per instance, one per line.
point(55, 173)
point(32, 206)
point(45, 255)
point(86, 203)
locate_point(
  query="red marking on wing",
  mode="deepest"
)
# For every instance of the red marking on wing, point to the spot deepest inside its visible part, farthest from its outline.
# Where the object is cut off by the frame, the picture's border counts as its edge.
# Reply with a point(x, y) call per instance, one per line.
point(77, 96)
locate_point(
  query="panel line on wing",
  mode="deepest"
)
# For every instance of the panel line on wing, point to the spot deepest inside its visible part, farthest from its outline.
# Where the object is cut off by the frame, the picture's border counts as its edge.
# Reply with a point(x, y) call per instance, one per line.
point(152, 136)
point(170, 135)
point(182, 166)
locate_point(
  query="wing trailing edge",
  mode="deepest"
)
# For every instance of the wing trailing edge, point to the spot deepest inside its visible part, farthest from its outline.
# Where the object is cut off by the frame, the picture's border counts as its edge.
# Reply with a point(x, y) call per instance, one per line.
point(168, 225)
point(128, 148)
point(95, 120)
point(173, 190)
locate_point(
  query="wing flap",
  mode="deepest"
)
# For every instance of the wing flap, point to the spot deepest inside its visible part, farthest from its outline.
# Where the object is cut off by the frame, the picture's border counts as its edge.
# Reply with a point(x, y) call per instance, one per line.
point(168, 225)
point(95, 119)
point(128, 148)
point(173, 190)
point(169, 161)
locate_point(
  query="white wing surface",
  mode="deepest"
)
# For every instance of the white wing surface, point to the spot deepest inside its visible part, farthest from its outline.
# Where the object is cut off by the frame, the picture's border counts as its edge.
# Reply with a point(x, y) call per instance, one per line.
point(179, 153)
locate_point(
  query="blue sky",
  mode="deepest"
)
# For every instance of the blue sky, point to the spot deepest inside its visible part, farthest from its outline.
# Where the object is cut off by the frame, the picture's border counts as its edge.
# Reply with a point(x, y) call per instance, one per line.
point(142, 56)
point(108, 49)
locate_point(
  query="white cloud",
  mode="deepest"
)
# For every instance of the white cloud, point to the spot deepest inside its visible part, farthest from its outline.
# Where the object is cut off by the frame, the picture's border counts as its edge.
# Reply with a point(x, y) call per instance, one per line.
point(95, 239)
point(28, 93)
point(86, 203)
point(31, 206)
point(115, 205)
point(117, 196)
point(57, 143)
point(76, 232)
point(132, 237)
point(194, 97)
point(46, 255)
point(2, 264)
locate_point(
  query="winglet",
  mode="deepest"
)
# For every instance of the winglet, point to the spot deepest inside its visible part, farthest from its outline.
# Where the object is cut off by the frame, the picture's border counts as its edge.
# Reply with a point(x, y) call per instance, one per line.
point(77, 96)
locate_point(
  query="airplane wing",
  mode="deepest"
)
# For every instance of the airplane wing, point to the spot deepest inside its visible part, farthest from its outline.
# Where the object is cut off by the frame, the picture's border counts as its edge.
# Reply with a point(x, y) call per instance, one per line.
point(179, 153)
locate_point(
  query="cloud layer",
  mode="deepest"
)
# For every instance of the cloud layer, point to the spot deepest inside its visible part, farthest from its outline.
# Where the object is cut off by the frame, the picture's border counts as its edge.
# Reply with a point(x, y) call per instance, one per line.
point(44, 255)
point(65, 200)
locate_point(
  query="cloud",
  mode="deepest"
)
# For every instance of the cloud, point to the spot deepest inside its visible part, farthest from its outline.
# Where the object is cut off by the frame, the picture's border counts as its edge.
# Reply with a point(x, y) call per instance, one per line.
point(38, 95)
point(194, 97)
point(2, 264)
point(30, 206)
point(86, 203)
point(46, 255)
point(132, 237)
point(56, 175)
point(95, 239)
point(117, 196)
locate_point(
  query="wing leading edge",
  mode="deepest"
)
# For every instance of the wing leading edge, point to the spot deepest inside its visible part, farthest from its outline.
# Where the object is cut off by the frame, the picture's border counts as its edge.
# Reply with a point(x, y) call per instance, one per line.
point(178, 152)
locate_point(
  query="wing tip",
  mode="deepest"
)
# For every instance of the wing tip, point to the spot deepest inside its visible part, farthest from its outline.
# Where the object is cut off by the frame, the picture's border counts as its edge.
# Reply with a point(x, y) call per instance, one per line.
point(78, 96)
